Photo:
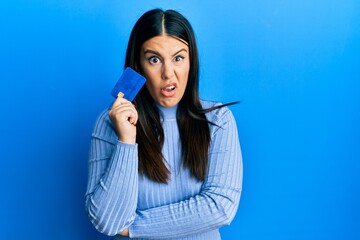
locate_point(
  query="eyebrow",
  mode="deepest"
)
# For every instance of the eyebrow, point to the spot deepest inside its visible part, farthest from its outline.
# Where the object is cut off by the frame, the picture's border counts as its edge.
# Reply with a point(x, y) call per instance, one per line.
point(157, 53)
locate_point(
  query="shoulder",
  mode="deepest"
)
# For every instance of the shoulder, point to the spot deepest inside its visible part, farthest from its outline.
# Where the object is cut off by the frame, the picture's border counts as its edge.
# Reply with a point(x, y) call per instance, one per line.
point(220, 116)
point(102, 120)
point(103, 128)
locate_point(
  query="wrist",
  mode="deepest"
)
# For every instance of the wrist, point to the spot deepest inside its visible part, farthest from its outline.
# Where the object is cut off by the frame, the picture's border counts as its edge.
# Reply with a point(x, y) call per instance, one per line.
point(128, 140)
point(124, 233)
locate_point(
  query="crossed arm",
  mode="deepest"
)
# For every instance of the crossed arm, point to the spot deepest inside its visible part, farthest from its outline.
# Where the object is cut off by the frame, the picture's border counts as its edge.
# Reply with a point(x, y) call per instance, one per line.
point(111, 198)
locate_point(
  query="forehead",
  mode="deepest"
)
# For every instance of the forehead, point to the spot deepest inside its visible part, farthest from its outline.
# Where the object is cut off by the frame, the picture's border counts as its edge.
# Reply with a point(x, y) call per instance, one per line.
point(164, 44)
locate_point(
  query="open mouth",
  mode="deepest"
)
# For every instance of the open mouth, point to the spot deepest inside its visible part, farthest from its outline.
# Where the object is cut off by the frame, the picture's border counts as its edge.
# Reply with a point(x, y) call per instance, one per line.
point(168, 90)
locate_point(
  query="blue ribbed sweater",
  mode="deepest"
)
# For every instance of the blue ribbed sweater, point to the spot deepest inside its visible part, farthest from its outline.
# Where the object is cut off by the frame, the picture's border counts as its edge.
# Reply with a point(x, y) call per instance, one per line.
point(117, 197)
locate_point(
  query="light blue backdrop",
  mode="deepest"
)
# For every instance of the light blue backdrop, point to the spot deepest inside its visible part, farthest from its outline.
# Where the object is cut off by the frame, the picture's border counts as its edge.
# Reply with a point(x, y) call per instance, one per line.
point(294, 64)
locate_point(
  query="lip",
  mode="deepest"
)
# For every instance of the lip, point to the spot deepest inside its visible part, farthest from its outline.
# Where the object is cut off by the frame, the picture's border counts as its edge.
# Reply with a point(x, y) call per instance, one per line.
point(168, 93)
point(169, 85)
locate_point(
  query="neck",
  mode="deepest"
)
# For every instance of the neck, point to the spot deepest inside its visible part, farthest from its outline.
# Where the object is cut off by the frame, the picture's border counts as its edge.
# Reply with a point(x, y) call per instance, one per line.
point(167, 113)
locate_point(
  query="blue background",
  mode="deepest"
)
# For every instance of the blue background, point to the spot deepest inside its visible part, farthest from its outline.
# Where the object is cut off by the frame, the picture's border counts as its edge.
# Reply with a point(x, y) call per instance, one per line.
point(294, 64)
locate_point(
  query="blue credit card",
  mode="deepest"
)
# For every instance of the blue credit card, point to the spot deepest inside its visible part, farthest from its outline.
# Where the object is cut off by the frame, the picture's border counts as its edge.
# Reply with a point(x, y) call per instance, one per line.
point(128, 85)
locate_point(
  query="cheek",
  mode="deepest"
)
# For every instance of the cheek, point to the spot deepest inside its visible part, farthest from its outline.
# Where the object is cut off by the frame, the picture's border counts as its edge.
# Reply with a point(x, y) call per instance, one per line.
point(185, 77)
point(150, 75)
point(151, 84)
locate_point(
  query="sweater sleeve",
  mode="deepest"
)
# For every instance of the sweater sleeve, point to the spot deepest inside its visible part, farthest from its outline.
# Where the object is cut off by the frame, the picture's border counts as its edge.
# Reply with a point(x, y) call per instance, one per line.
point(112, 191)
point(218, 200)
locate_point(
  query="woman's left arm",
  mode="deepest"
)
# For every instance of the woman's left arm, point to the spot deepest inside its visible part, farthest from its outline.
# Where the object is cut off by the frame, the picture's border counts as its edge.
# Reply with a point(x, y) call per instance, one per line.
point(218, 200)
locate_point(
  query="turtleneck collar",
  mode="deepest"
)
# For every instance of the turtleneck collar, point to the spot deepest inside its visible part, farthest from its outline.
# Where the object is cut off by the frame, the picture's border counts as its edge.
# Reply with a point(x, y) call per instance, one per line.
point(167, 113)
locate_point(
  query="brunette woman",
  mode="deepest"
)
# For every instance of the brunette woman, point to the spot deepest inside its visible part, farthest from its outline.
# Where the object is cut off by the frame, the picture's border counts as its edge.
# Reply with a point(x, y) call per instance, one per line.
point(168, 165)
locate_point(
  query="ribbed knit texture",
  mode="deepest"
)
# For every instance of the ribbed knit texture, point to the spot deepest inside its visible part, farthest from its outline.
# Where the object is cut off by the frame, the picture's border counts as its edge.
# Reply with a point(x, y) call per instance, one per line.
point(118, 197)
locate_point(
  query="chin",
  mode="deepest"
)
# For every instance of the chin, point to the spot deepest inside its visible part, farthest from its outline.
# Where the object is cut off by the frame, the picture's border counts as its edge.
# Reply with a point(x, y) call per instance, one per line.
point(168, 104)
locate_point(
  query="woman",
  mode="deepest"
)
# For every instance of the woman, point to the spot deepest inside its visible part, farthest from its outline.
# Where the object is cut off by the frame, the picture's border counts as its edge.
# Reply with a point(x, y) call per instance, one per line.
point(168, 165)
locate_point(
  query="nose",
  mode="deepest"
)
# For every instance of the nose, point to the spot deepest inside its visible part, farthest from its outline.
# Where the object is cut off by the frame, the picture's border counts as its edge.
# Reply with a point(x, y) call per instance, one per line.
point(167, 71)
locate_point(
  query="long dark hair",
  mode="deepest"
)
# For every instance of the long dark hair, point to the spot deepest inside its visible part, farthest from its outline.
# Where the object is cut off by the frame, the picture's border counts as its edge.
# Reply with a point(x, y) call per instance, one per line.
point(193, 125)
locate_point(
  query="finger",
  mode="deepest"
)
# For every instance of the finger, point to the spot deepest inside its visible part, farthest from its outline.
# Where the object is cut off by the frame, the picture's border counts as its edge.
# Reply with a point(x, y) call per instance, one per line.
point(123, 106)
point(130, 116)
point(118, 104)
point(119, 101)
point(124, 112)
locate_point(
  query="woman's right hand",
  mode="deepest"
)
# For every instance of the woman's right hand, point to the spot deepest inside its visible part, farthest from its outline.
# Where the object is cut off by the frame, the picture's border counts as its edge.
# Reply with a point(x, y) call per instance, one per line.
point(124, 117)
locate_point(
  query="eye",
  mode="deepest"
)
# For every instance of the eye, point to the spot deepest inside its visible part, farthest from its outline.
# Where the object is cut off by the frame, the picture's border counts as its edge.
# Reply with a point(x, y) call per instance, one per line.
point(178, 58)
point(154, 60)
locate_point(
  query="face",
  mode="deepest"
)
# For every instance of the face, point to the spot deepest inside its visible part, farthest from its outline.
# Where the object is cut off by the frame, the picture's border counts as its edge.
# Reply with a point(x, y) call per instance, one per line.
point(165, 63)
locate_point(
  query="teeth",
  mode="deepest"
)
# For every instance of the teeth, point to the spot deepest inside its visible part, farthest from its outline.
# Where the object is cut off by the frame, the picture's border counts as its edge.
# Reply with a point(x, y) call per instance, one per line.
point(170, 88)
